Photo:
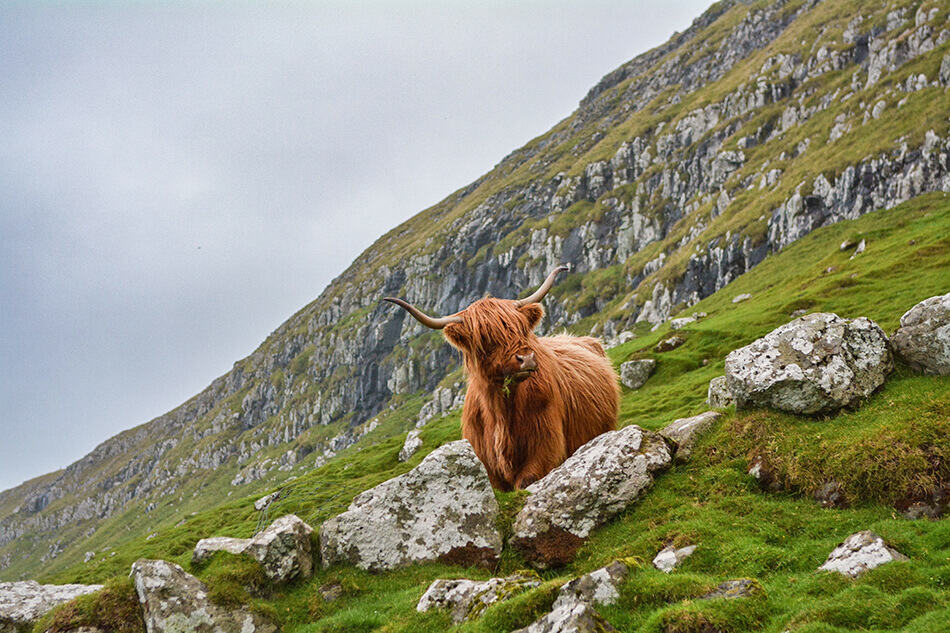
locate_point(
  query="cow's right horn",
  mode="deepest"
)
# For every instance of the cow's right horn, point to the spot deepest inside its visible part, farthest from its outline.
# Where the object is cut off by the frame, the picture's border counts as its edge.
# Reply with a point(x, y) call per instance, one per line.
point(543, 290)
point(421, 317)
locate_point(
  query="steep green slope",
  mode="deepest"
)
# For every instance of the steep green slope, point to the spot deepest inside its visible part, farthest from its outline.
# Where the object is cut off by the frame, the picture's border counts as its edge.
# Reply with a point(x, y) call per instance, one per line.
point(880, 453)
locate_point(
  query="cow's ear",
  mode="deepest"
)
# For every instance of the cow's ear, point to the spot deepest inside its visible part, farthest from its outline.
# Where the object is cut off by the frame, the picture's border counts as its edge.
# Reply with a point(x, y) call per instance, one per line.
point(533, 312)
point(457, 335)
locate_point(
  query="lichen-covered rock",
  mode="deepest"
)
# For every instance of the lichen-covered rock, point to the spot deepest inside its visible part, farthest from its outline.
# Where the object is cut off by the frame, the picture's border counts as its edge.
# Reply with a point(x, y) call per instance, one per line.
point(730, 589)
point(411, 445)
point(669, 344)
point(208, 546)
point(831, 494)
point(443, 509)
point(923, 339)
point(817, 363)
point(570, 617)
point(174, 601)
point(23, 603)
point(467, 599)
point(597, 587)
point(718, 395)
point(685, 432)
point(266, 500)
point(601, 479)
point(634, 373)
point(859, 553)
point(670, 557)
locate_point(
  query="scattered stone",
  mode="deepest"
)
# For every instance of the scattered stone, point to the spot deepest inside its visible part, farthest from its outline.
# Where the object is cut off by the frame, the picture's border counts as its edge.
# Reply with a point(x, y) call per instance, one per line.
point(766, 477)
point(411, 445)
point(670, 343)
point(718, 395)
point(669, 557)
point(634, 373)
point(741, 588)
point(571, 617)
point(797, 313)
point(443, 509)
point(817, 363)
point(468, 599)
point(740, 298)
point(923, 339)
point(831, 495)
point(680, 323)
point(862, 245)
point(284, 549)
point(846, 245)
point(683, 433)
point(174, 601)
point(330, 591)
point(601, 479)
point(831, 269)
point(597, 587)
point(859, 553)
point(23, 603)
point(266, 500)
point(88, 557)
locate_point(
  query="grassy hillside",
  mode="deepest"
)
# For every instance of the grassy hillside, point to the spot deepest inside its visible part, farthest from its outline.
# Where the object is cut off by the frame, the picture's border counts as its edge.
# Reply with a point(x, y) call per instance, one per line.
point(895, 446)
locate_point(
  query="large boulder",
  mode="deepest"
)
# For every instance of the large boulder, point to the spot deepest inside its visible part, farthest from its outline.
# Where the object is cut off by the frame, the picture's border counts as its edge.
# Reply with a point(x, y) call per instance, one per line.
point(443, 509)
point(174, 601)
point(683, 433)
point(467, 599)
point(601, 479)
point(284, 549)
point(634, 373)
point(923, 339)
point(859, 553)
point(818, 363)
point(23, 603)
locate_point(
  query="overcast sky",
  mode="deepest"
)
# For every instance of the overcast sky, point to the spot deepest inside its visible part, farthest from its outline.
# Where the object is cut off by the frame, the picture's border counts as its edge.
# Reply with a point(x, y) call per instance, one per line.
point(176, 181)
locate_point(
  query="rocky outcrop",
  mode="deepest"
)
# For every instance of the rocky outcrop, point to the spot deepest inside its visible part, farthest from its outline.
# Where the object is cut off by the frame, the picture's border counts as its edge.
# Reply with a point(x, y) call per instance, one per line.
point(634, 373)
point(23, 603)
point(409, 447)
point(683, 433)
point(283, 549)
point(718, 395)
point(467, 599)
point(443, 509)
point(570, 617)
point(818, 363)
point(670, 557)
point(923, 339)
point(732, 589)
point(859, 553)
point(601, 479)
point(573, 609)
point(174, 601)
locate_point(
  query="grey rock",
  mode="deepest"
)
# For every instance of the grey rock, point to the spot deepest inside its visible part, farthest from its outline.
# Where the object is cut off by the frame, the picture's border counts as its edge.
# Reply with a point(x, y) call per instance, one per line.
point(683, 433)
point(266, 500)
point(601, 479)
point(174, 601)
point(730, 589)
point(669, 344)
point(331, 591)
point(411, 445)
point(862, 246)
point(88, 556)
point(208, 546)
point(745, 296)
point(597, 587)
point(467, 599)
point(444, 508)
point(859, 553)
point(923, 339)
point(634, 373)
point(945, 70)
point(23, 603)
point(571, 617)
point(831, 494)
point(817, 363)
point(718, 395)
point(670, 557)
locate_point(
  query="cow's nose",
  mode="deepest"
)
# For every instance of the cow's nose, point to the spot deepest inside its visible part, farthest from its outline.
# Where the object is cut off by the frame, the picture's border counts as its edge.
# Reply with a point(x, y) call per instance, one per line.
point(526, 361)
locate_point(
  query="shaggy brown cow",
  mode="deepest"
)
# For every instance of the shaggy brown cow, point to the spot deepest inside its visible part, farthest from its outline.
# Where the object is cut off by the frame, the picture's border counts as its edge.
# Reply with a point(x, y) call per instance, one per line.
point(532, 401)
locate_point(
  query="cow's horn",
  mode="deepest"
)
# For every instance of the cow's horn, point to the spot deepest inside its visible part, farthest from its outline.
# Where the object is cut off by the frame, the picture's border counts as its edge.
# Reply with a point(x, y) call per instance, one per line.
point(424, 319)
point(543, 290)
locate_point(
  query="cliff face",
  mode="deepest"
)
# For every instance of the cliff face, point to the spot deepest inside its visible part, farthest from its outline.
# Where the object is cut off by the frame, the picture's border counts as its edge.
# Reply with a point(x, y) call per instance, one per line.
point(678, 172)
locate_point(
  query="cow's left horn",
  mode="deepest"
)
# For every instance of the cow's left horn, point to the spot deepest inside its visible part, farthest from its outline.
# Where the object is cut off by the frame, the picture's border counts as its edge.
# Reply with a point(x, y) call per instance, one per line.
point(543, 290)
point(421, 317)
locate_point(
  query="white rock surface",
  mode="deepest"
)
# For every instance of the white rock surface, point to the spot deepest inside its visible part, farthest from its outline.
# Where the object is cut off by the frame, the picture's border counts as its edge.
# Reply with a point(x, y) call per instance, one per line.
point(601, 479)
point(685, 432)
point(411, 445)
point(740, 298)
point(266, 500)
point(818, 363)
point(570, 617)
point(923, 339)
point(634, 373)
point(174, 601)
point(444, 508)
point(23, 603)
point(467, 599)
point(859, 553)
point(670, 557)
point(597, 587)
point(718, 395)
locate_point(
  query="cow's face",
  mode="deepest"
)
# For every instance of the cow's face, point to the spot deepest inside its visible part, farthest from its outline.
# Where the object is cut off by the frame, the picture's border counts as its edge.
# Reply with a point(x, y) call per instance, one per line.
point(496, 336)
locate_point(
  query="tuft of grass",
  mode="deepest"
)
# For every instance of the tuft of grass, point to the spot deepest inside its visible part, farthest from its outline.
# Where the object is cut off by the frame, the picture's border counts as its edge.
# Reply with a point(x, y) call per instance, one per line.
point(115, 609)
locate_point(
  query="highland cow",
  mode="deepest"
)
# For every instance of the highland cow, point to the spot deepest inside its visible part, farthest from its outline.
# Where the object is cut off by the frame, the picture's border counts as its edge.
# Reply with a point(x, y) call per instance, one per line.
point(531, 401)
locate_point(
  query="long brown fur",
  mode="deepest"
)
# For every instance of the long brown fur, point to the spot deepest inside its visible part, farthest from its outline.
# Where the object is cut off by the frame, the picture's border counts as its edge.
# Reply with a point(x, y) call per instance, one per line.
point(522, 430)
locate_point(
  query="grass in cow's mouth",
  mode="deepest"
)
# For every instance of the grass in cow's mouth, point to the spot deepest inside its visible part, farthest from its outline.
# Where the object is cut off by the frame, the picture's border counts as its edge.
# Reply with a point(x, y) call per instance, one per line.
point(506, 386)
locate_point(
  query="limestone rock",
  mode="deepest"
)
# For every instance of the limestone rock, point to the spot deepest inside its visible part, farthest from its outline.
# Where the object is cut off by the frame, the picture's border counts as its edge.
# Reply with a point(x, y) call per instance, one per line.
point(685, 432)
point(670, 343)
point(859, 553)
point(670, 557)
point(23, 603)
point(570, 617)
point(411, 445)
point(443, 509)
point(718, 395)
point(597, 587)
point(680, 323)
point(174, 601)
point(467, 599)
point(923, 339)
point(208, 546)
point(634, 373)
point(266, 500)
point(817, 363)
point(745, 296)
point(601, 479)
point(741, 588)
